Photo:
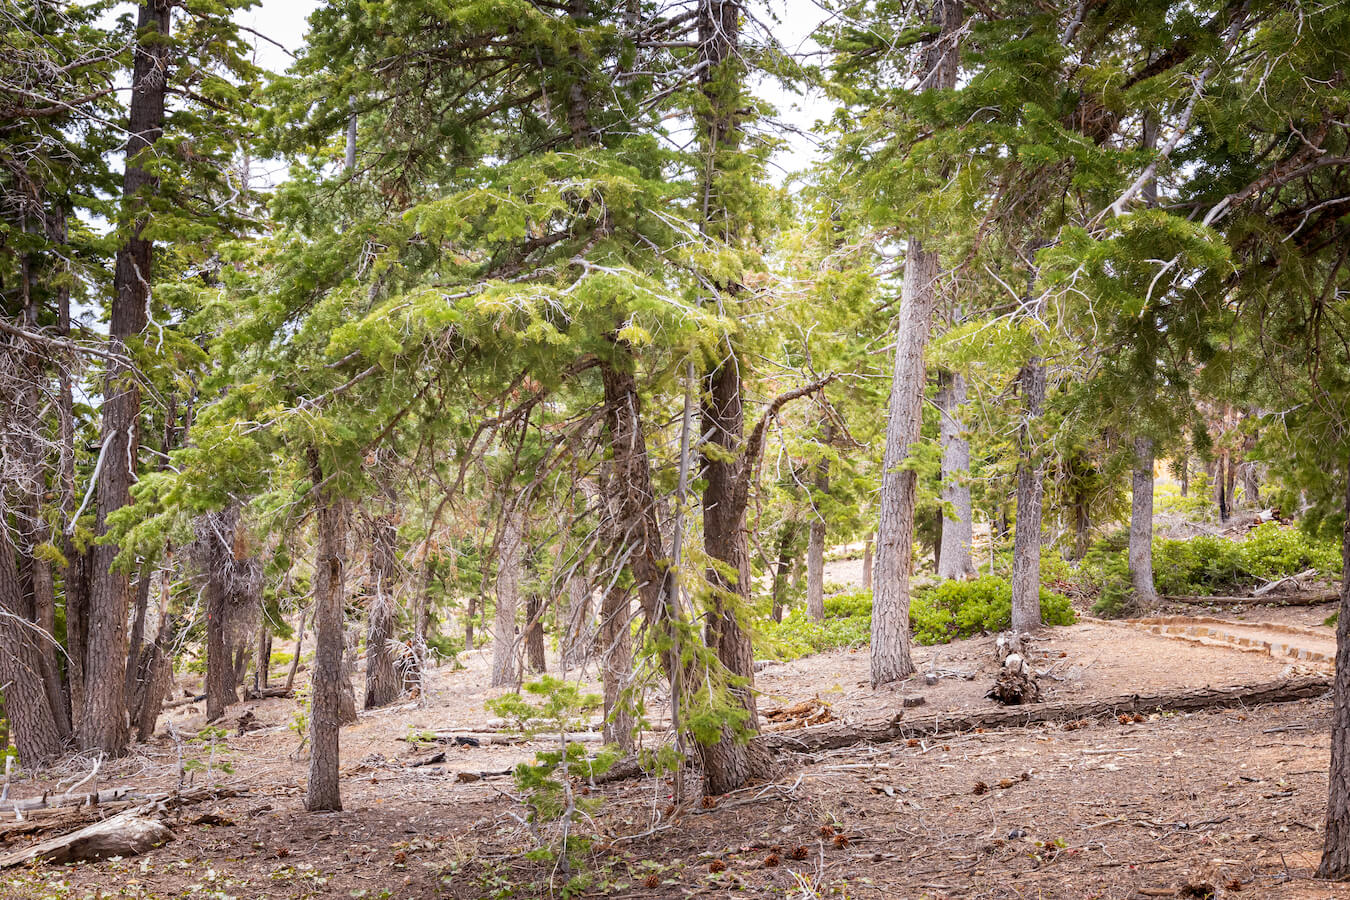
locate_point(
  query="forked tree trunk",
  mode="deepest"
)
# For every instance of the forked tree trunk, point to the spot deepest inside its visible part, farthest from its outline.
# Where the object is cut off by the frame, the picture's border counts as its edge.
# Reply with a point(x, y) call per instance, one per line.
point(815, 547)
point(899, 486)
point(1336, 842)
point(1026, 577)
point(103, 725)
point(325, 694)
point(382, 683)
point(505, 647)
point(954, 552)
point(1141, 524)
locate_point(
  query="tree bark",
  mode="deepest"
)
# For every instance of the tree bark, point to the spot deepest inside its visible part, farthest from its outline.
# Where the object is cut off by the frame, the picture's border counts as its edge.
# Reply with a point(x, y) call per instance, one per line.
point(867, 563)
point(578, 636)
point(534, 633)
point(890, 651)
point(137, 637)
point(1336, 843)
point(1141, 524)
point(104, 726)
point(1026, 580)
point(505, 647)
point(220, 691)
point(616, 666)
point(32, 724)
point(815, 547)
point(382, 683)
point(787, 540)
point(954, 553)
point(325, 691)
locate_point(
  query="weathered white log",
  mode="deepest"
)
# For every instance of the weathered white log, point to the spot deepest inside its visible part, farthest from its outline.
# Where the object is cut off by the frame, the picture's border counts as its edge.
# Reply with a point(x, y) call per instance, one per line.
point(126, 834)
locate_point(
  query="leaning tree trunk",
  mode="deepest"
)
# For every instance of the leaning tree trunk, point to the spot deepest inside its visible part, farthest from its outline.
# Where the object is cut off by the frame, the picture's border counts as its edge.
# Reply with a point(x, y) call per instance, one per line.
point(899, 486)
point(505, 649)
point(1336, 843)
point(815, 547)
point(954, 552)
point(1141, 524)
point(1026, 578)
point(382, 683)
point(326, 693)
point(103, 725)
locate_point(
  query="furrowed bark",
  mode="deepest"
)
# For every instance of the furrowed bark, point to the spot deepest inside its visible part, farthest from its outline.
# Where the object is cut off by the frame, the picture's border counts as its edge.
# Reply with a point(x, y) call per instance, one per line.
point(890, 651)
point(1335, 862)
point(103, 725)
point(325, 700)
point(505, 647)
point(382, 683)
point(1141, 524)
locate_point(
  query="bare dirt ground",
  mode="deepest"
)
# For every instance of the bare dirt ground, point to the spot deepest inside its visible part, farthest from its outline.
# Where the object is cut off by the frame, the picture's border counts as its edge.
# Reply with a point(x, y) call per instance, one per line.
point(1223, 801)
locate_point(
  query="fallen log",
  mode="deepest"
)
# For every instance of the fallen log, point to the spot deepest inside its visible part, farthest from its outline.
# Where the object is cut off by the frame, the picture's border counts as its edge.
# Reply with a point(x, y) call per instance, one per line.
point(126, 834)
point(1309, 599)
point(898, 728)
point(1272, 586)
point(51, 801)
point(481, 738)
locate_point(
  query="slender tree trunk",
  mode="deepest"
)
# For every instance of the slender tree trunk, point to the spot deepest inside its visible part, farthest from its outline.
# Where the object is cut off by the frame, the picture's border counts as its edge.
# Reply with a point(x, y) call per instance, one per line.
point(787, 541)
point(505, 648)
point(295, 657)
point(1185, 465)
point(954, 552)
point(616, 666)
point(815, 548)
point(867, 563)
point(578, 637)
point(1141, 524)
point(382, 683)
point(325, 702)
point(1336, 842)
point(137, 637)
point(534, 633)
point(262, 657)
point(895, 537)
point(103, 726)
point(1026, 578)
point(347, 671)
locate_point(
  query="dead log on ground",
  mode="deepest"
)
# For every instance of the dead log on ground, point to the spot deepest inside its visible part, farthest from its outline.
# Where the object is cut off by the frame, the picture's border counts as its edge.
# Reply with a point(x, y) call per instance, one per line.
point(125, 834)
point(898, 728)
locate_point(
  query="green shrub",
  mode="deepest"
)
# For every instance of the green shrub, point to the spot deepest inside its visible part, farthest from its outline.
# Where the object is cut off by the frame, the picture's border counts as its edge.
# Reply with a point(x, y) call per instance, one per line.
point(1107, 571)
point(797, 636)
point(1209, 565)
point(844, 606)
point(956, 609)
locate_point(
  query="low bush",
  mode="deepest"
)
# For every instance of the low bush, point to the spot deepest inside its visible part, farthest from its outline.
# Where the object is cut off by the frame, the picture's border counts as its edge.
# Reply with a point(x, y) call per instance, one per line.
point(938, 614)
point(955, 609)
point(1210, 565)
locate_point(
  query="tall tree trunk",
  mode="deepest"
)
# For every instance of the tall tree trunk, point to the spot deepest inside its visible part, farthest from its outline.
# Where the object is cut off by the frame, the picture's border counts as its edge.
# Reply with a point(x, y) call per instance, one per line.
point(578, 636)
point(867, 563)
point(505, 647)
point(382, 683)
point(954, 552)
point(325, 701)
point(103, 726)
point(815, 547)
point(346, 672)
point(899, 486)
point(1026, 578)
point(31, 721)
point(137, 637)
point(1336, 842)
point(1141, 524)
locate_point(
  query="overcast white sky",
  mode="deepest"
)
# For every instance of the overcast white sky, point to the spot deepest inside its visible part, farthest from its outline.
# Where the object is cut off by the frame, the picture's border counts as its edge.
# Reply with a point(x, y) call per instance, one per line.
point(285, 22)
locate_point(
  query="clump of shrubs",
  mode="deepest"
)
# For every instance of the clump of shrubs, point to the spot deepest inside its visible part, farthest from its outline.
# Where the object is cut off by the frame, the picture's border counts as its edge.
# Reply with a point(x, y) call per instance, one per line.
point(938, 614)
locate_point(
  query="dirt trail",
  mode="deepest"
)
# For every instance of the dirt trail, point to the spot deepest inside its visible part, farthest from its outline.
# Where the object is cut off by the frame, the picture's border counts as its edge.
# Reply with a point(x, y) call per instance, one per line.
point(1307, 645)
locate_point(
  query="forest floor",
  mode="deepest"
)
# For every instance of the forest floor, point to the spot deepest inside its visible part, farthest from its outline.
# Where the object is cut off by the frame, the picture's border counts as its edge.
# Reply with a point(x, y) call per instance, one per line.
point(1161, 805)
